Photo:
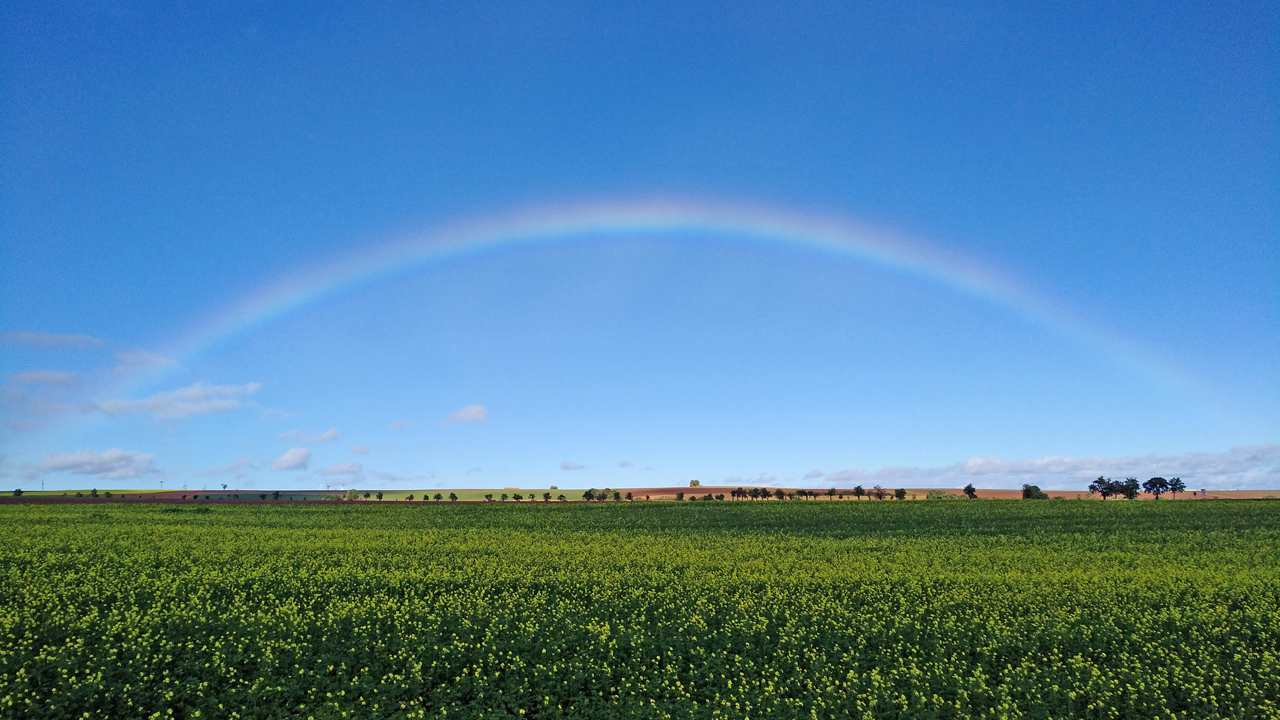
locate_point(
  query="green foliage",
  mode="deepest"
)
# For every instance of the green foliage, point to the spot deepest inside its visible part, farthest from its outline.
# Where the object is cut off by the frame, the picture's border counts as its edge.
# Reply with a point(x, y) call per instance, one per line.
point(1033, 492)
point(941, 495)
point(766, 610)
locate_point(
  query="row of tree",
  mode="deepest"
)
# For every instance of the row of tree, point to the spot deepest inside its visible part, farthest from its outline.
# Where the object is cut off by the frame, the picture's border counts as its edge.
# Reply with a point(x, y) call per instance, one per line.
point(1129, 487)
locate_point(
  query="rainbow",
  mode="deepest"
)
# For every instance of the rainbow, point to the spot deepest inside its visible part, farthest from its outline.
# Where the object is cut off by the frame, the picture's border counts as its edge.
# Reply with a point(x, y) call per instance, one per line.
point(649, 218)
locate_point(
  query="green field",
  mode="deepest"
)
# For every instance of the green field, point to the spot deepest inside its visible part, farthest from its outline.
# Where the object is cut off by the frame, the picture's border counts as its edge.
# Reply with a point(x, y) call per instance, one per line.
point(1000, 609)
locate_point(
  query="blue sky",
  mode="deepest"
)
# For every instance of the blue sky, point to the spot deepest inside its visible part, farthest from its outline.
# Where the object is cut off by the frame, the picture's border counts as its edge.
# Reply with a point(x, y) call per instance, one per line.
point(1115, 164)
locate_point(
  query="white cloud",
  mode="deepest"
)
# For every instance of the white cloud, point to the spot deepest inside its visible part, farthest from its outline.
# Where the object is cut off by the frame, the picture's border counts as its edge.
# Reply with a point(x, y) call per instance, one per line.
point(197, 399)
point(468, 414)
point(141, 360)
point(294, 459)
point(814, 474)
point(625, 464)
point(310, 438)
point(361, 449)
point(43, 377)
point(566, 465)
point(400, 424)
point(273, 414)
point(236, 468)
point(1256, 466)
point(114, 464)
point(39, 338)
point(351, 468)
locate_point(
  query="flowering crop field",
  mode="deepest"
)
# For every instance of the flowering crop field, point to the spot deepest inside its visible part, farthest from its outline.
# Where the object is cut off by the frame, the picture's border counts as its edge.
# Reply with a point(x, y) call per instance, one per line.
point(991, 609)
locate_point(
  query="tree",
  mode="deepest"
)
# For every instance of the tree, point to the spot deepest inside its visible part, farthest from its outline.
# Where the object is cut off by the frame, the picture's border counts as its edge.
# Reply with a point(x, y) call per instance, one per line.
point(738, 494)
point(858, 492)
point(900, 494)
point(561, 497)
point(589, 494)
point(352, 495)
point(1103, 486)
point(261, 496)
point(777, 493)
point(694, 483)
point(276, 495)
point(410, 498)
point(970, 491)
point(366, 495)
point(517, 497)
point(1156, 486)
point(546, 497)
point(1033, 492)
point(617, 496)
point(453, 497)
point(831, 493)
point(438, 497)
point(878, 491)
point(504, 497)
point(224, 486)
point(93, 492)
point(629, 497)
point(1176, 486)
point(17, 492)
point(679, 497)
point(719, 496)
point(488, 497)
point(1129, 489)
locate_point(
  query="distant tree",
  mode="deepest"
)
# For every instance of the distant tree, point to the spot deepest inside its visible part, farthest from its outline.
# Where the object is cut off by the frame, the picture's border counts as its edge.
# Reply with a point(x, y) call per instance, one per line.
point(276, 495)
point(261, 496)
point(224, 486)
point(453, 497)
point(679, 497)
point(437, 497)
point(617, 496)
point(366, 494)
point(589, 494)
point(410, 498)
point(504, 497)
point(694, 483)
point(858, 492)
point(646, 498)
point(1129, 489)
point(1103, 486)
point(831, 493)
point(900, 494)
point(546, 497)
point(488, 497)
point(553, 487)
point(629, 497)
point(1033, 492)
point(79, 494)
point(970, 491)
point(378, 494)
point(17, 492)
point(878, 492)
point(1156, 486)
point(93, 492)
point(561, 497)
point(1176, 486)
point(777, 493)
point(719, 496)
point(517, 497)
point(108, 494)
point(739, 494)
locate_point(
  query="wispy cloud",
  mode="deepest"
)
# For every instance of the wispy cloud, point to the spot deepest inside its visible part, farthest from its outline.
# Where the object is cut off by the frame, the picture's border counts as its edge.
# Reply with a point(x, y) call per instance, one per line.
point(625, 463)
point(273, 414)
point(814, 474)
point(351, 468)
point(50, 339)
point(114, 464)
point(361, 449)
point(310, 438)
point(135, 360)
point(1255, 466)
point(198, 399)
point(468, 414)
point(43, 377)
point(293, 459)
point(566, 465)
point(236, 468)
point(400, 424)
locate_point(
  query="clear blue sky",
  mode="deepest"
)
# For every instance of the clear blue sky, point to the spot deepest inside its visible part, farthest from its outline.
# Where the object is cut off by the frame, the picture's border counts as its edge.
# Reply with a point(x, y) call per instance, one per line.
point(161, 164)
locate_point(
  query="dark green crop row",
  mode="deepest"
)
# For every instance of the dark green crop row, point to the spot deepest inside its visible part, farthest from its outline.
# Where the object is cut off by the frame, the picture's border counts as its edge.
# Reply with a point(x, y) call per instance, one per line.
point(761, 610)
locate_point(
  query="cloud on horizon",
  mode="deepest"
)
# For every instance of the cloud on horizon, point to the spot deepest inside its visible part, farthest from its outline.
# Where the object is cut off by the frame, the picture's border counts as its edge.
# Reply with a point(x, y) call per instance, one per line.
point(351, 468)
point(198, 399)
point(400, 424)
point(1244, 467)
point(567, 465)
point(236, 468)
point(293, 459)
point(310, 438)
point(468, 414)
point(114, 464)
